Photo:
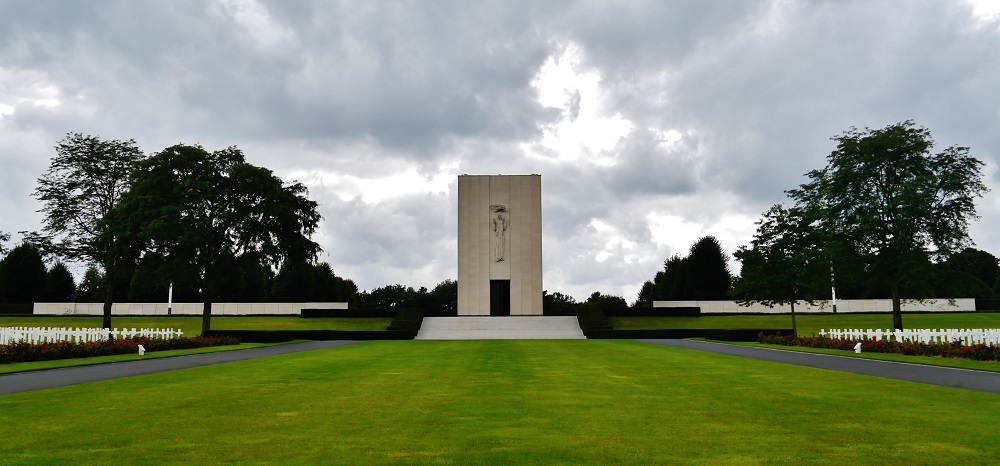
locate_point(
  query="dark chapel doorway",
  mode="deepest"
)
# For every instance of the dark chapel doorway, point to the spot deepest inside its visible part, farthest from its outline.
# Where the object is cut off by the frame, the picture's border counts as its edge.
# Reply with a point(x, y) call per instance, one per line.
point(499, 297)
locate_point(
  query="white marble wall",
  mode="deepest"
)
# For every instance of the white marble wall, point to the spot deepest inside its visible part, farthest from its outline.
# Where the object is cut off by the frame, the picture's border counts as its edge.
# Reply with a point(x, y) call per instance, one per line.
point(843, 305)
point(153, 309)
point(522, 264)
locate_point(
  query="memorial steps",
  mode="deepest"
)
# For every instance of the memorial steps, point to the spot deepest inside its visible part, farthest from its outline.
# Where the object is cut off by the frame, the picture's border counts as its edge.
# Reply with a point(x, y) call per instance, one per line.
point(500, 328)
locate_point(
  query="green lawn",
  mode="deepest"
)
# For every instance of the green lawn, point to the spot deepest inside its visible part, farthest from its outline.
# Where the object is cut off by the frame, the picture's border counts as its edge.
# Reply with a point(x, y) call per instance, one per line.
point(191, 325)
point(501, 402)
point(810, 324)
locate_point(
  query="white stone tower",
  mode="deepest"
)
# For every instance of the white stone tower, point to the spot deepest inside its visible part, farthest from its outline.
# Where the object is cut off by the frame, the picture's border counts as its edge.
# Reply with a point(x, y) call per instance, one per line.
point(499, 245)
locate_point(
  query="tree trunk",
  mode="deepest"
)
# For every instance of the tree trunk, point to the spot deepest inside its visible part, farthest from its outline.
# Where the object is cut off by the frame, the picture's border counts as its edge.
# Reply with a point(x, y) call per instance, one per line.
point(795, 328)
point(206, 317)
point(897, 308)
point(109, 298)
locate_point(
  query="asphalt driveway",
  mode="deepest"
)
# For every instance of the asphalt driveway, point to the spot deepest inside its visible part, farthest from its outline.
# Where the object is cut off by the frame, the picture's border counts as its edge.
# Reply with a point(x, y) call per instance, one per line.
point(37, 380)
point(947, 376)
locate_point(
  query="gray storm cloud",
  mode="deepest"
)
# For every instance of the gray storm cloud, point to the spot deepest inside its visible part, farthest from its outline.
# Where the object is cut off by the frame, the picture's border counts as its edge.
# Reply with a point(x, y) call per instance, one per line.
point(651, 123)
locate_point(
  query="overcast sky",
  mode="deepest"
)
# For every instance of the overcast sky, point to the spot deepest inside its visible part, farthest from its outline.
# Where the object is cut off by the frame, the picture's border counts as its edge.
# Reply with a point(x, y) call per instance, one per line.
point(651, 123)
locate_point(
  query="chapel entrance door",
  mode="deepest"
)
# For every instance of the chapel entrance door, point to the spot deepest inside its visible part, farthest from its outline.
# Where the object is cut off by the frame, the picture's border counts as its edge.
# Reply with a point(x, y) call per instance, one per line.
point(499, 297)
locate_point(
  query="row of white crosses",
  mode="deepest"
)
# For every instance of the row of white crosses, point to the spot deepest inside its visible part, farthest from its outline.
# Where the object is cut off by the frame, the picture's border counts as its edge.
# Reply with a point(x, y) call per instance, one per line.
point(972, 336)
point(38, 335)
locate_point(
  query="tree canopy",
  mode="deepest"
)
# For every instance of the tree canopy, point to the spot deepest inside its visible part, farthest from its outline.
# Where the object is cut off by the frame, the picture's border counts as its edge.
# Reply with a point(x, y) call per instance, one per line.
point(204, 211)
point(702, 275)
point(22, 275)
point(886, 199)
point(785, 262)
point(86, 180)
point(59, 284)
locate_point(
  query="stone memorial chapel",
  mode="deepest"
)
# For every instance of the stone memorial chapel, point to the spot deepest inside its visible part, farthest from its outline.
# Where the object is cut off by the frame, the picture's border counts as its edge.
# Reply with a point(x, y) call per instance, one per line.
point(499, 245)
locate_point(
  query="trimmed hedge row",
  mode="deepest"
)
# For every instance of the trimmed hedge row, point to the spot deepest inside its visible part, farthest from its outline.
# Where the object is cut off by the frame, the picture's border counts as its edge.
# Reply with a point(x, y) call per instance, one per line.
point(281, 336)
point(312, 313)
point(719, 334)
point(17, 308)
point(25, 352)
point(647, 334)
point(691, 311)
point(596, 325)
point(987, 304)
point(407, 320)
point(404, 326)
point(977, 352)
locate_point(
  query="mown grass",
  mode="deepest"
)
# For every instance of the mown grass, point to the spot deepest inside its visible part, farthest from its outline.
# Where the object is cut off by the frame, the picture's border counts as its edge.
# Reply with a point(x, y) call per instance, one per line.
point(191, 325)
point(811, 324)
point(501, 402)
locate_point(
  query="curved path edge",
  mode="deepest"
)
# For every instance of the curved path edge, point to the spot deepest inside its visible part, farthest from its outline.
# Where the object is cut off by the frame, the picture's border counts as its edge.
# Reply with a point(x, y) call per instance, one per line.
point(51, 378)
point(946, 376)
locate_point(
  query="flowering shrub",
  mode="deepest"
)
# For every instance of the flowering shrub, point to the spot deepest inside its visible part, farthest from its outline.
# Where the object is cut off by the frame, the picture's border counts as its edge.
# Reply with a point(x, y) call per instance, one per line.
point(978, 352)
point(24, 352)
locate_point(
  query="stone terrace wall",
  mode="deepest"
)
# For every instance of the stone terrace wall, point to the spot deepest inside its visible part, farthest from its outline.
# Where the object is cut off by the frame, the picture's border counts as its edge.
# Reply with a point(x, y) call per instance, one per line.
point(843, 305)
point(153, 309)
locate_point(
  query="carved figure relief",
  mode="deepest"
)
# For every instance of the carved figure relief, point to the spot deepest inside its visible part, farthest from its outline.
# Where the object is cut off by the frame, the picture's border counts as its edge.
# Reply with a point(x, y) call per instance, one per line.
point(499, 223)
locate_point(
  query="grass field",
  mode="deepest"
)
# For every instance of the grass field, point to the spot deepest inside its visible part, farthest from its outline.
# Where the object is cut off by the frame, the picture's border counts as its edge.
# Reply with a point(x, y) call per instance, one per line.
point(191, 325)
point(810, 324)
point(501, 402)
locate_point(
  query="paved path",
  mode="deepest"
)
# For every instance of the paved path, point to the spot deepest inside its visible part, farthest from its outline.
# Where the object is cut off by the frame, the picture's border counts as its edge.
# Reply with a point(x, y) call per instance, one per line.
point(37, 380)
point(947, 376)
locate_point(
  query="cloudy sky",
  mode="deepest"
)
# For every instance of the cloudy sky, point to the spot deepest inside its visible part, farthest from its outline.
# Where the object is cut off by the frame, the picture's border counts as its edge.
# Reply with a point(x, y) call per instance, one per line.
point(652, 123)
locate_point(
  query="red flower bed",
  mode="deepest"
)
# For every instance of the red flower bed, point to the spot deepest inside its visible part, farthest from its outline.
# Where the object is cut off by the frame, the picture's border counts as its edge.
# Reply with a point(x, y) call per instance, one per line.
point(24, 352)
point(956, 349)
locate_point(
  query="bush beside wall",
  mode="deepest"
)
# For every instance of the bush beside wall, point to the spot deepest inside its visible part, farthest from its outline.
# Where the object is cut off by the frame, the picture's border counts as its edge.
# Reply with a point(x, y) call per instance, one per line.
point(743, 334)
point(16, 308)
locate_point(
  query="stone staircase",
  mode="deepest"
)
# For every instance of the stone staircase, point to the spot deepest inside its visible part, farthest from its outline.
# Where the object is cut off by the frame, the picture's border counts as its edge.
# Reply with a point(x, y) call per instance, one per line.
point(500, 328)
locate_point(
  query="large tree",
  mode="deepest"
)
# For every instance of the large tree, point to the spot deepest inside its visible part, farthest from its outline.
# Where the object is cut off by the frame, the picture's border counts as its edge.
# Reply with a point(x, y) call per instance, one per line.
point(702, 275)
point(85, 181)
point(59, 284)
point(204, 211)
point(886, 197)
point(22, 275)
point(784, 263)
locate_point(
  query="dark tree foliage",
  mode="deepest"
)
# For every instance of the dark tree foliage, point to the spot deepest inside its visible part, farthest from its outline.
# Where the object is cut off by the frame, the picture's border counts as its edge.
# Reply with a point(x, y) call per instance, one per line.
point(443, 299)
point(392, 296)
point(885, 198)
point(606, 301)
point(59, 284)
point(707, 274)
point(4, 237)
point(85, 181)
point(558, 304)
point(22, 275)
point(150, 285)
point(784, 263)
point(91, 288)
point(702, 275)
point(204, 212)
point(667, 282)
point(294, 282)
point(949, 283)
point(299, 281)
point(978, 263)
point(645, 296)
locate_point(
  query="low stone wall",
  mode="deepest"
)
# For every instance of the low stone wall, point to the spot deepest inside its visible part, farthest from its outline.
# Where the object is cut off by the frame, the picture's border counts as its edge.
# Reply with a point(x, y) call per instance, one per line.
point(155, 309)
point(843, 306)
